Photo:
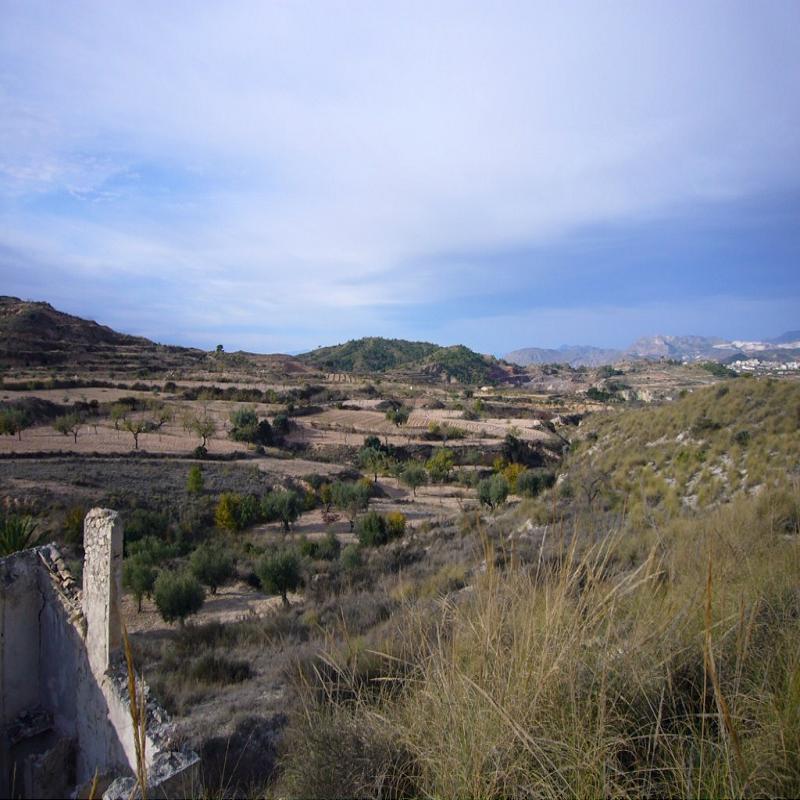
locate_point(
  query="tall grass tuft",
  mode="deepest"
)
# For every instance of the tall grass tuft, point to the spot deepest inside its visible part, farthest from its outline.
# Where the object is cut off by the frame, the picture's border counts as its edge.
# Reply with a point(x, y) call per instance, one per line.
point(584, 675)
point(138, 711)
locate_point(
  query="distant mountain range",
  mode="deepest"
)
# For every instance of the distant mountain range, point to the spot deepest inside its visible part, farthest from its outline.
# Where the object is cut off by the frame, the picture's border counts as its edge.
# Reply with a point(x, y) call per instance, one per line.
point(680, 348)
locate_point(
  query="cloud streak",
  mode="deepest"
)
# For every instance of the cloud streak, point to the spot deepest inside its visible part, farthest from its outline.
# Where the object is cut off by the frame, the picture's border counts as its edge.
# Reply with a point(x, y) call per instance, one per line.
point(315, 160)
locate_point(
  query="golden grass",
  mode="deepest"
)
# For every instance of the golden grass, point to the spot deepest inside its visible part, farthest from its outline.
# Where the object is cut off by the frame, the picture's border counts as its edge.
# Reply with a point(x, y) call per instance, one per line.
point(673, 674)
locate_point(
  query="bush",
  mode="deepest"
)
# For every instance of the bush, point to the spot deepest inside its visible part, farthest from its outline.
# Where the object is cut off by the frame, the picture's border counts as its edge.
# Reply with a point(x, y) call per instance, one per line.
point(226, 514)
point(17, 532)
point(246, 427)
point(328, 547)
point(141, 522)
point(440, 464)
point(216, 669)
point(194, 483)
point(371, 530)
point(212, 565)
point(530, 484)
point(350, 559)
point(154, 551)
point(493, 491)
point(395, 524)
point(280, 573)
point(178, 595)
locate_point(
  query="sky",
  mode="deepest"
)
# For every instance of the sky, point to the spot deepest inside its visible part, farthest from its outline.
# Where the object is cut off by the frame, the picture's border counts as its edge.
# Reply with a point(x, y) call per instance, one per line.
point(274, 176)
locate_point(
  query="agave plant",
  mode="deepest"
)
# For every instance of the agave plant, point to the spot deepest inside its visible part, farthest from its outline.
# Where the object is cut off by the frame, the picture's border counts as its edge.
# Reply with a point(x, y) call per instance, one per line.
point(17, 532)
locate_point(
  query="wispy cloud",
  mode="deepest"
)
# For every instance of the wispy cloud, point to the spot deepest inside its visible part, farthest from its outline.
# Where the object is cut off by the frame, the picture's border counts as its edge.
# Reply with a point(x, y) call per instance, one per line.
point(307, 161)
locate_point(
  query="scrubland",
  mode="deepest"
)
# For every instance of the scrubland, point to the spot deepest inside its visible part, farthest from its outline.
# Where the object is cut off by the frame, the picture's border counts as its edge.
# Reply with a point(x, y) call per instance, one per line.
point(487, 593)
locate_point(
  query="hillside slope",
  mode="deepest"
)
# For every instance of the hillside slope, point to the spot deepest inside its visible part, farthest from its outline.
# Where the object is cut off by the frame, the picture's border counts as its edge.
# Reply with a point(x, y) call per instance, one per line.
point(707, 446)
point(36, 334)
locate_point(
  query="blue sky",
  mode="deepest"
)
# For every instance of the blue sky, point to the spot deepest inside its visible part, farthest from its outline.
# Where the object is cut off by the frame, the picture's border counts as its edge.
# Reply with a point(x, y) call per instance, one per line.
point(275, 176)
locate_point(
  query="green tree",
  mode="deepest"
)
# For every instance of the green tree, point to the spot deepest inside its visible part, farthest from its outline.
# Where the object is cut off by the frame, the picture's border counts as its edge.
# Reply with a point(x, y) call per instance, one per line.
point(280, 573)
point(350, 498)
point(178, 595)
point(118, 413)
point(137, 426)
point(372, 460)
point(414, 476)
point(283, 505)
point(493, 491)
point(440, 464)
point(13, 421)
point(203, 425)
point(194, 483)
point(212, 565)
point(69, 424)
point(138, 577)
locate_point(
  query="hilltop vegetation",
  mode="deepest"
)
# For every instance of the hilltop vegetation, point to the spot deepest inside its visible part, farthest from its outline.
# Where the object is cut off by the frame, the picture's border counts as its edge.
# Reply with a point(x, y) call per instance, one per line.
point(375, 354)
point(370, 354)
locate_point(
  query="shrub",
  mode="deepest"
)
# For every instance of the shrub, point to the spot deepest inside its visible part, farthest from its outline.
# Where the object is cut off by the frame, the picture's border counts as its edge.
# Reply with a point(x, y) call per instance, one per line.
point(249, 511)
point(17, 532)
point(440, 464)
point(212, 565)
point(246, 427)
point(328, 547)
point(493, 491)
point(178, 595)
point(217, 669)
point(226, 514)
point(350, 559)
point(371, 530)
point(511, 473)
point(153, 550)
point(530, 484)
point(142, 522)
point(194, 483)
point(280, 573)
point(395, 524)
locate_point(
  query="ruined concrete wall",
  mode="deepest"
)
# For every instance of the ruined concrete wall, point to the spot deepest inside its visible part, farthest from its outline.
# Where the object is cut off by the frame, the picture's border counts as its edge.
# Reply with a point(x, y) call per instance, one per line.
point(20, 604)
point(102, 587)
point(64, 708)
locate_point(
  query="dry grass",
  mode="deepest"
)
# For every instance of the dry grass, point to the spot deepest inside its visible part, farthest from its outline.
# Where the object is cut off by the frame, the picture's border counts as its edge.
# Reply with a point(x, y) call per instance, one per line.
point(582, 677)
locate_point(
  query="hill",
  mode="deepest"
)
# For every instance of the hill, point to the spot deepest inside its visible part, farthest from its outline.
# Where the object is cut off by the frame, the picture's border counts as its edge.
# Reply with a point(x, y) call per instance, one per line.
point(370, 354)
point(711, 444)
point(376, 354)
point(36, 334)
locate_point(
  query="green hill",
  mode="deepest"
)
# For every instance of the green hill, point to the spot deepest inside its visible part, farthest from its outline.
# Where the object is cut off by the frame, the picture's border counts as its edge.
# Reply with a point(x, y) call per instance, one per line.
point(729, 438)
point(461, 364)
point(375, 354)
